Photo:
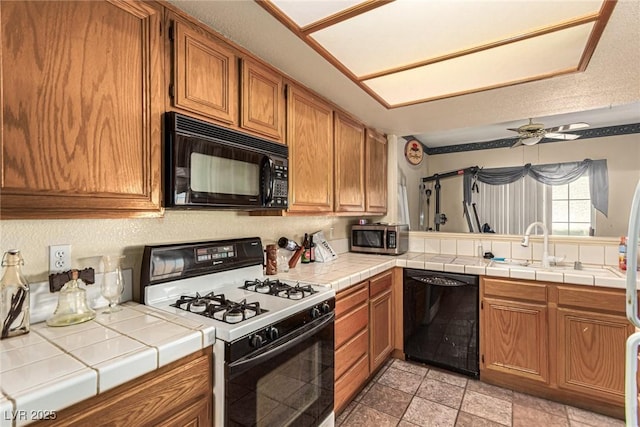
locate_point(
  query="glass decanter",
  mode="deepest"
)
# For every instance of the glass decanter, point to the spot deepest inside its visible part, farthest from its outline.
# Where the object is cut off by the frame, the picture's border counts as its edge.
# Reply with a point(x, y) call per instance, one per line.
point(14, 306)
point(112, 284)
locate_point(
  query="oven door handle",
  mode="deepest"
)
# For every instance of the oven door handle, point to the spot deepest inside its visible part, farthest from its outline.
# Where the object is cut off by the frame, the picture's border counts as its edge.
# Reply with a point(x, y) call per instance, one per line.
point(309, 330)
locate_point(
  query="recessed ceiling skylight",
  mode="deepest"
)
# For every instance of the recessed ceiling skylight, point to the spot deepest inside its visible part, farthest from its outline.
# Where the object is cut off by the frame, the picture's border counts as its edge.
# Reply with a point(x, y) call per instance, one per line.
point(406, 52)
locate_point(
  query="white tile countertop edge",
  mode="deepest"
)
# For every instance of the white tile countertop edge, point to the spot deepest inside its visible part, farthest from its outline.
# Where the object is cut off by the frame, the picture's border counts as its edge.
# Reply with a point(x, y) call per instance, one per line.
point(58, 390)
point(351, 268)
point(157, 350)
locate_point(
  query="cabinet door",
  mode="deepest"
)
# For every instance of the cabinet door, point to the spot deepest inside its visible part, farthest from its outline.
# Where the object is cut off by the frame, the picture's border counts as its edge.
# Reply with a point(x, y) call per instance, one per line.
point(178, 394)
point(205, 79)
point(81, 109)
point(349, 165)
point(262, 100)
point(310, 140)
point(376, 172)
point(591, 353)
point(197, 414)
point(592, 331)
point(515, 338)
point(380, 329)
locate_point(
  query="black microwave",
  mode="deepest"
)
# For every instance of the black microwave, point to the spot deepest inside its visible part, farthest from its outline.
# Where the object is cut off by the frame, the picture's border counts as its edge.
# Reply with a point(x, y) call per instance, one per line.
point(208, 166)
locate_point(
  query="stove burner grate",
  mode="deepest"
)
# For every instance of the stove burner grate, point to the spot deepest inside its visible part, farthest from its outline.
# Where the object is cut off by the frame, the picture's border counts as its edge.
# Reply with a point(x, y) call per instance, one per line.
point(278, 288)
point(219, 308)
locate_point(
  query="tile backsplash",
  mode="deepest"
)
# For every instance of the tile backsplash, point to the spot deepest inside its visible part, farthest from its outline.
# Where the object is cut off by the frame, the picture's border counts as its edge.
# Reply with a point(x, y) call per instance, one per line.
point(596, 251)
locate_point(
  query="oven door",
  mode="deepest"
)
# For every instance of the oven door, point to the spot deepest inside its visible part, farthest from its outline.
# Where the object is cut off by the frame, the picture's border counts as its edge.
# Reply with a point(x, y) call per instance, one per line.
point(208, 173)
point(288, 383)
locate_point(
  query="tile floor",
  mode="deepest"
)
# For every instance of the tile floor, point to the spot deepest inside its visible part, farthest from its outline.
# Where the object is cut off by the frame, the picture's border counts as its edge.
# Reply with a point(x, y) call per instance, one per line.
point(408, 394)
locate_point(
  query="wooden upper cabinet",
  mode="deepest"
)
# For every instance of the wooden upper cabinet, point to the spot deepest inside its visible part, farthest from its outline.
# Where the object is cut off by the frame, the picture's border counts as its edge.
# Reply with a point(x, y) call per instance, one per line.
point(349, 164)
point(204, 75)
point(310, 140)
point(81, 109)
point(376, 172)
point(263, 102)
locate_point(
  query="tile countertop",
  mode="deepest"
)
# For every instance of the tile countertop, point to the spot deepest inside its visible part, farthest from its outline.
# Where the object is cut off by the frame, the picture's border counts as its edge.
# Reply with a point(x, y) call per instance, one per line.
point(351, 268)
point(51, 368)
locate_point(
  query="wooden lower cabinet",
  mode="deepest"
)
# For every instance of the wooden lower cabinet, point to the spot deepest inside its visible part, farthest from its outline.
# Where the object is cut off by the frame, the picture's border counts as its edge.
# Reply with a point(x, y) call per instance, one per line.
point(179, 394)
point(560, 342)
point(514, 331)
point(363, 334)
point(351, 353)
point(591, 342)
point(380, 319)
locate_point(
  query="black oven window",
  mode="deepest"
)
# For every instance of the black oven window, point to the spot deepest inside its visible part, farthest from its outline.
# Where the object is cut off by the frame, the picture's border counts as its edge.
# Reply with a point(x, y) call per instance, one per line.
point(294, 388)
point(368, 238)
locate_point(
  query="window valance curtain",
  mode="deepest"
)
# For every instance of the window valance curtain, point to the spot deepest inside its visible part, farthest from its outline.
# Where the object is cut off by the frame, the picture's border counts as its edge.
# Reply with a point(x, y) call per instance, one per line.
point(550, 174)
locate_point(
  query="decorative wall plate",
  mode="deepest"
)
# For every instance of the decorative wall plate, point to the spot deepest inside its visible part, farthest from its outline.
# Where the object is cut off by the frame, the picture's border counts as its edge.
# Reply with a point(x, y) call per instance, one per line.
point(414, 152)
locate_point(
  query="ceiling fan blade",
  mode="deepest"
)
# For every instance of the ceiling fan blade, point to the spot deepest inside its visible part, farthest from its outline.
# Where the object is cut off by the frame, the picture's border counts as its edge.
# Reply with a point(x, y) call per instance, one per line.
point(572, 126)
point(517, 143)
point(513, 129)
point(563, 136)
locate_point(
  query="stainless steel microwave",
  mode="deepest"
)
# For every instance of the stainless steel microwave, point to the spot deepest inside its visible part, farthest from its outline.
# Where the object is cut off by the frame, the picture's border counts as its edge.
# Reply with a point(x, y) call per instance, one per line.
point(208, 166)
point(380, 238)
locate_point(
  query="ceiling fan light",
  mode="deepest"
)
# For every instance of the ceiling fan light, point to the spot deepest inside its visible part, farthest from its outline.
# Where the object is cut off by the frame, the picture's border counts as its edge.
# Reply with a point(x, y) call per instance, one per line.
point(531, 140)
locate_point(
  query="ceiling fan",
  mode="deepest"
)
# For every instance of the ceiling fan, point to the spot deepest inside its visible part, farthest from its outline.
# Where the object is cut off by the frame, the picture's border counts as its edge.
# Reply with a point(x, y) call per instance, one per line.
point(532, 133)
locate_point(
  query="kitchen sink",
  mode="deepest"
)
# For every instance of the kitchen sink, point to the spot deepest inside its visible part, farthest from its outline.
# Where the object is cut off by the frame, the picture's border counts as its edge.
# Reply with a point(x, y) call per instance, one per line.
point(559, 268)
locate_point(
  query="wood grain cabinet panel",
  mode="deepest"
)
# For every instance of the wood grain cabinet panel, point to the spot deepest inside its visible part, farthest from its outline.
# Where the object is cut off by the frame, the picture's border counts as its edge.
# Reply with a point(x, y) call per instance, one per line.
point(205, 79)
point(376, 172)
point(592, 331)
point(179, 394)
point(561, 342)
point(380, 329)
point(351, 343)
point(349, 164)
point(81, 109)
point(263, 102)
point(310, 140)
point(591, 353)
point(515, 339)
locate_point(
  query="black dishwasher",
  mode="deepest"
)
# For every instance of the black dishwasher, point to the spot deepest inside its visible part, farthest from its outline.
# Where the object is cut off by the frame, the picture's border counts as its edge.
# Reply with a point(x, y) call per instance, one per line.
point(441, 320)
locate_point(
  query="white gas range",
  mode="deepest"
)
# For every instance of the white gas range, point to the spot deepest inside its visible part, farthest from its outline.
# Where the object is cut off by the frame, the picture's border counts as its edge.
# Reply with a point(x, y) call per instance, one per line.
point(273, 362)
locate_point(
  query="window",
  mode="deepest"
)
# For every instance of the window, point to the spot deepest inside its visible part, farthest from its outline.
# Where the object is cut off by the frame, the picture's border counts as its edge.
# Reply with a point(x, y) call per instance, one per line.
point(571, 211)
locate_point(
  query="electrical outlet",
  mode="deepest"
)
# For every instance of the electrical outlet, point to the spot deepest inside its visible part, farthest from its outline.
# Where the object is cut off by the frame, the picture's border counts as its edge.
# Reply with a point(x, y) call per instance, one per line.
point(59, 258)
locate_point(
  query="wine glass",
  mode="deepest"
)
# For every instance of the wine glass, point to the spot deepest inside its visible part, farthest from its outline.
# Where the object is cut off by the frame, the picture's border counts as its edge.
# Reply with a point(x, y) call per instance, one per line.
point(112, 282)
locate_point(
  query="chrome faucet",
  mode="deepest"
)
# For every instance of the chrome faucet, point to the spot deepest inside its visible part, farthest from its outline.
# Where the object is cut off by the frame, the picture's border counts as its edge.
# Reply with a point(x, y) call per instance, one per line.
point(545, 250)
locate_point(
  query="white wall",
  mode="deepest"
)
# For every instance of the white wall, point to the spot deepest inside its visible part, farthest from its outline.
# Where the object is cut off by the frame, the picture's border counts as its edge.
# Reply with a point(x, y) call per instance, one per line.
point(412, 175)
point(623, 162)
point(93, 237)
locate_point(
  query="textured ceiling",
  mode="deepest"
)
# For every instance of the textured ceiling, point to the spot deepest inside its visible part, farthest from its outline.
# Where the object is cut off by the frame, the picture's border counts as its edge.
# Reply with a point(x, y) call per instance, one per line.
point(610, 80)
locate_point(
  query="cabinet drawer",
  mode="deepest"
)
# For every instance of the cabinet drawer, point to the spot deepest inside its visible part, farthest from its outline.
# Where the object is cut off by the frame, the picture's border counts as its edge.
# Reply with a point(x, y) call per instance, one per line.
point(352, 297)
point(350, 382)
point(603, 300)
point(350, 352)
point(350, 324)
point(509, 289)
point(380, 283)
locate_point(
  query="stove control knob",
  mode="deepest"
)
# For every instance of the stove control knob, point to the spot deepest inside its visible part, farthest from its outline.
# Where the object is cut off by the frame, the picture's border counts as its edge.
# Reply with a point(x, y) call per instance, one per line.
point(256, 341)
point(325, 307)
point(315, 313)
point(272, 333)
